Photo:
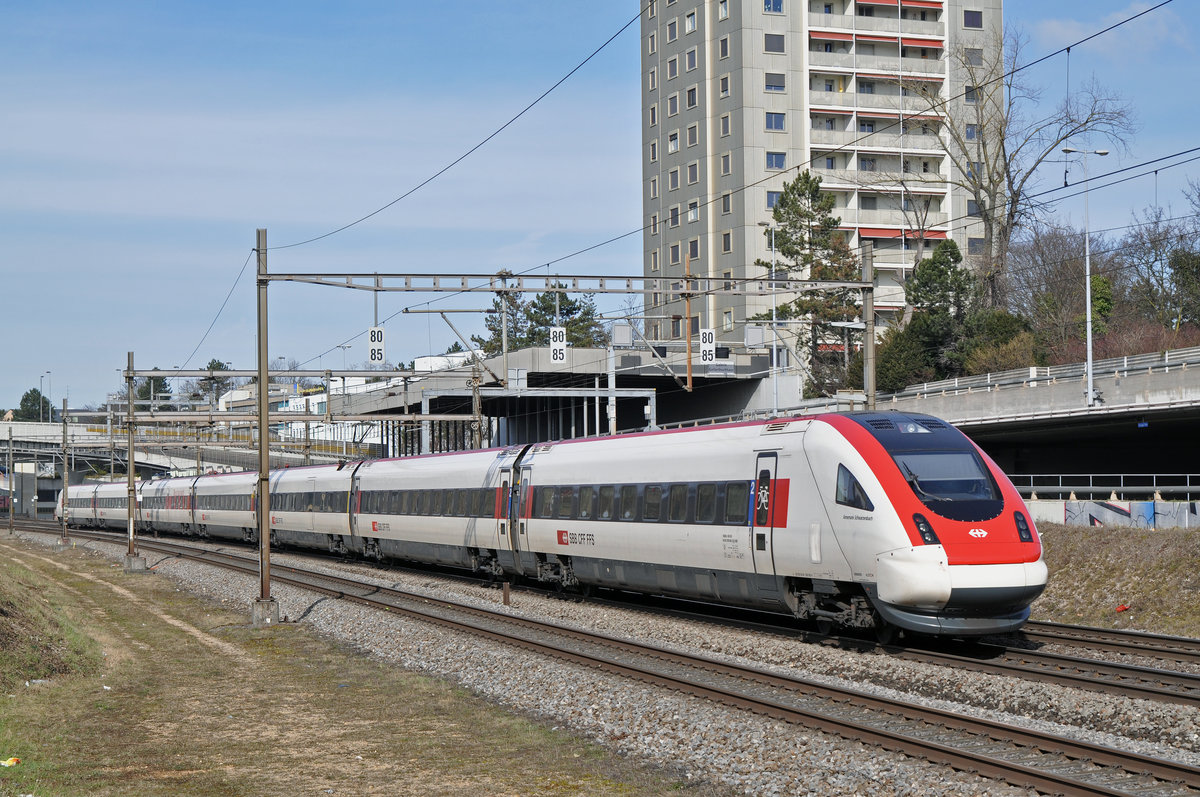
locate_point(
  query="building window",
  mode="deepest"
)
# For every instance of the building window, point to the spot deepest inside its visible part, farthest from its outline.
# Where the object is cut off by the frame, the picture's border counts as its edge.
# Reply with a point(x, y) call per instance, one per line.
point(975, 170)
point(691, 97)
point(866, 164)
point(830, 163)
point(972, 132)
point(973, 208)
point(971, 95)
point(726, 320)
point(973, 56)
point(773, 6)
point(975, 246)
point(676, 327)
point(689, 22)
point(776, 121)
point(866, 11)
point(693, 211)
point(727, 241)
point(830, 123)
point(654, 260)
point(828, 8)
point(653, 187)
point(672, 68)
point(672, 30)
point(675, 254)
point(652, 44)
point(866, 87)
point(866, 126)
point(693, 133)
point(828, 47)
point(724, 84)
point(726, 163)
point(672, 105)
point(723, 47)
point(773, 198)
point(776, 160)
point(673, 180)
point(723, 9)
point(693, 173)
point(673, 141)
point(725, 125)
point(868, 203)
point(726, 203)
point(654, 226)
point(972, 19)
point(653, 115)
point(694, 248)
point(673, 215)
point(776, 81)
point(652, 9)
point(689, 59)
point(924, 167)
point(773, 42)
point(654, 151)
point(652, 79)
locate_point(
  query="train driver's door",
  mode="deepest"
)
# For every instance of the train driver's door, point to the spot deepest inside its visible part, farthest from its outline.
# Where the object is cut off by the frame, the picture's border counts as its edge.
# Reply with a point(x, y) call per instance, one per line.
point(762, 520)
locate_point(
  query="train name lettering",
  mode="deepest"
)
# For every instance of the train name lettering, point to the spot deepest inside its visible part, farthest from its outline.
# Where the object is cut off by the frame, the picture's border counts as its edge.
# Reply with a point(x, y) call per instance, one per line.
point(575, 537)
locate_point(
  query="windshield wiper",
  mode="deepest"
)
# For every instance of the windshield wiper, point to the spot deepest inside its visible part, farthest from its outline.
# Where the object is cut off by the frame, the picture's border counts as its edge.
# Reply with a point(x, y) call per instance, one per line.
point(915, 483)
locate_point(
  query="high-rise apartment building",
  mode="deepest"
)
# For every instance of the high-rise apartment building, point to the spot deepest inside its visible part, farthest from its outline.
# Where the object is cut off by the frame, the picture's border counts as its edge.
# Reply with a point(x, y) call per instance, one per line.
point(738, 93)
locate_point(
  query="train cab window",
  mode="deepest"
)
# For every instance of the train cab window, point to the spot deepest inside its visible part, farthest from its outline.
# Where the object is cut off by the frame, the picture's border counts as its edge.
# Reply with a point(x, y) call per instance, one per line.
point(679, 494)
point(706, 503)
point(566, 501)
point(629, 496)
point(586, 496)
point(604, 509)
point(737, 503)
point(954, 484)
point(652, 503)
point(850, 492)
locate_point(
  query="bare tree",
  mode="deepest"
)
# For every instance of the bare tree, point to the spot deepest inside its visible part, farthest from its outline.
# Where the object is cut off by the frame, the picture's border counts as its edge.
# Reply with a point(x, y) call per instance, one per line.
point(995, 140)
point(1156, 252)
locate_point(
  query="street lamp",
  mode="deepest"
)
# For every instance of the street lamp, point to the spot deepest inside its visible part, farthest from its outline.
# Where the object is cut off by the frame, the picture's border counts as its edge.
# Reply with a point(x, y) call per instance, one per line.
point(50, 397)
point(1090, 395)
point(774, 353)
point(343, 347)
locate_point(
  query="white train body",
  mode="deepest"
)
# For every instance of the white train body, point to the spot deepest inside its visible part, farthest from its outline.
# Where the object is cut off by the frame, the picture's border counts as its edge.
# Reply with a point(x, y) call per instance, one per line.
point(858, 519)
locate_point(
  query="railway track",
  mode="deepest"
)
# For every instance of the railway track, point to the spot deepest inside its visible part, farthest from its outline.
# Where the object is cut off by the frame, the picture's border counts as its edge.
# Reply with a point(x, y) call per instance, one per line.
point(1136, 643)
point(1026, 758)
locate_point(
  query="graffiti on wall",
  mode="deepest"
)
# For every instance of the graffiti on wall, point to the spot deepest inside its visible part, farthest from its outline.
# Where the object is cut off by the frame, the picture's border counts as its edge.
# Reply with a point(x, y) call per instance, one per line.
point(1138, 514)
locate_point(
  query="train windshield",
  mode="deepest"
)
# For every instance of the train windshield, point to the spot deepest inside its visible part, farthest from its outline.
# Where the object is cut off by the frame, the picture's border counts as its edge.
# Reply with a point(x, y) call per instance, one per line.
point(954, 484)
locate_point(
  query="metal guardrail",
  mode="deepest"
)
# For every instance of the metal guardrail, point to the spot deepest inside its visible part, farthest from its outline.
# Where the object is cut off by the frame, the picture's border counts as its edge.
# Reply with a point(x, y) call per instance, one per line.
point(1110, 486)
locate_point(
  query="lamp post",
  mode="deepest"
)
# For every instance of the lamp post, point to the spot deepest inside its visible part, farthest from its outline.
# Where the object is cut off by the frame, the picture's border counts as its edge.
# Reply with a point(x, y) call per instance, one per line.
point(1090, 395)
point(774, 364)
point(41, 396)
point(49, 397)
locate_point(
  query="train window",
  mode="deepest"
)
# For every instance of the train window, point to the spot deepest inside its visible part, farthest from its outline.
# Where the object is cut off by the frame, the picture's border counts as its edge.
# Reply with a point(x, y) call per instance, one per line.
point(545, 502)
point(433, 503)
point(605, 505)
point(566, 501)
point(737, 502)
point(706, 503)
point(487, 502)
point(954, 484)
point(652, 503)
point(586, 496)
point(850, 492)
point(629, 495)
point(679, 494)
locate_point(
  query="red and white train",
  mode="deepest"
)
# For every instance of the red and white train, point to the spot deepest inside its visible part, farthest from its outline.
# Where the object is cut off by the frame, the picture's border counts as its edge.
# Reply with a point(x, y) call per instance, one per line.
point(884, 520)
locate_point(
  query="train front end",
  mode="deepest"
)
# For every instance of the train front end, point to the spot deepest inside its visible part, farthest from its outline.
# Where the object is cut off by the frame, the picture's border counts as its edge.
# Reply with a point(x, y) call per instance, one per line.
point(962, 556)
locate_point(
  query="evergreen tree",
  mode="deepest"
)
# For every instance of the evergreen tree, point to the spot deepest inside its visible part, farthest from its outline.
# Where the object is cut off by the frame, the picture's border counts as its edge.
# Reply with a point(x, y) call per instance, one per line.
point(578, 316)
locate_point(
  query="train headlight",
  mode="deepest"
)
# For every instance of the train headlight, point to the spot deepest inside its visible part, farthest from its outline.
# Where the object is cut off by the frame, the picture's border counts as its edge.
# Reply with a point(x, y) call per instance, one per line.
point(928, 535)
point(1023, 530)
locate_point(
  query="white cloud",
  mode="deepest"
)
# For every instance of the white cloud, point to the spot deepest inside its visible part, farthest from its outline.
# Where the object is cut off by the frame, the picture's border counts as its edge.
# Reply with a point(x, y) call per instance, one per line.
point(1146, 39)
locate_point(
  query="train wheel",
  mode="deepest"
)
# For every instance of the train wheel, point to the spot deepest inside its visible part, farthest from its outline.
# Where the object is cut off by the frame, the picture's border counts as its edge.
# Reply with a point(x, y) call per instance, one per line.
point(885, 632)
point(824, 626)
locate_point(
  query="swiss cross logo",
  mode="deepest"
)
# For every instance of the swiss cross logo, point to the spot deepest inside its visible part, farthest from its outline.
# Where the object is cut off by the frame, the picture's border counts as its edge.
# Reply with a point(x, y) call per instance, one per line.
point(563, 537)
point(978, 534)
point(374, 525)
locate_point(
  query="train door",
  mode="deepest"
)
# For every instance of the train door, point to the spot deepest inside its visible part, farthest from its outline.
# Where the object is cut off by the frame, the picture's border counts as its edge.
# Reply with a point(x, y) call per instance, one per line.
point(764, 516)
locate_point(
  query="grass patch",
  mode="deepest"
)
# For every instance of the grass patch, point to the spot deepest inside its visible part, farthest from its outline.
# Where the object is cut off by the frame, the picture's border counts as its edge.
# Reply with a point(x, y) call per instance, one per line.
point(221, 708)
point(1156, 573)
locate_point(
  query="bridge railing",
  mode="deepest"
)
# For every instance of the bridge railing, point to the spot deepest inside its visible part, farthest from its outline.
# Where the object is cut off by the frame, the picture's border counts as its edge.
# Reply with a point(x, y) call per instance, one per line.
point(1111, 486)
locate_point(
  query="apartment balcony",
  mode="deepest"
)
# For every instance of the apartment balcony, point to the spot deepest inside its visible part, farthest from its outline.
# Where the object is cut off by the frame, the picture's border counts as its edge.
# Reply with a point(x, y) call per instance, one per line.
point(878, 180)
point(878, 25)
point(884, 140)
point(891, 218)
point(918, 67)
point(888, 103)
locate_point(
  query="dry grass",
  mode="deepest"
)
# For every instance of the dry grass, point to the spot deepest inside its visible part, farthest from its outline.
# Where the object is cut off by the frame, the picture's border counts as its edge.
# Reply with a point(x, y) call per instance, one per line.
point(1095, 570)
point(206, 705)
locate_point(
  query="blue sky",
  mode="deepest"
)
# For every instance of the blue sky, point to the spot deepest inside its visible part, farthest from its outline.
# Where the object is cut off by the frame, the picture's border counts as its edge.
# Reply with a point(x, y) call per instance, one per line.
point(143, 143)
